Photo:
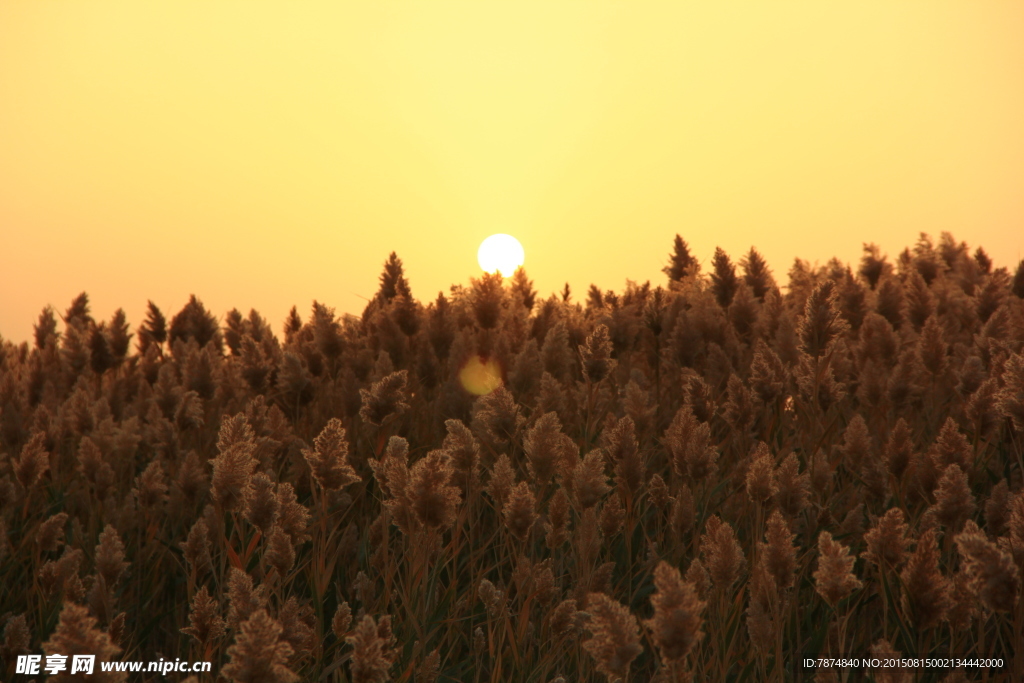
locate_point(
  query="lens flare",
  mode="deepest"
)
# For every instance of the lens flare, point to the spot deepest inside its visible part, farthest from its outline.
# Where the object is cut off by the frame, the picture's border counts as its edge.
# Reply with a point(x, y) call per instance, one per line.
point(480, 376)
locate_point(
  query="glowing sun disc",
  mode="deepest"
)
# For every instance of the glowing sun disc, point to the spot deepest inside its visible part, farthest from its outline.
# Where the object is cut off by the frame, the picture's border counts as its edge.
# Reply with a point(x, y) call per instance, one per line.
point(500, 253)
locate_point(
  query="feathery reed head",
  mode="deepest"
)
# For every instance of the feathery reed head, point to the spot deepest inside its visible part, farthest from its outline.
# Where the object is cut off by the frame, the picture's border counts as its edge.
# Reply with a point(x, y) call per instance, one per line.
point(615, 636)
point(259, 654)
point(926, 595)
point(373, 652)
point(677, 621)
point(385, 399)
point(329, 459)
point(834, 579)
point(995, 576)
point(887, 541)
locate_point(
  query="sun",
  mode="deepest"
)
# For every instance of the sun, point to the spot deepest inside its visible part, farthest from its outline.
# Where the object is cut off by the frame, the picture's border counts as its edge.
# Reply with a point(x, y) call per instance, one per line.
point(500, 253)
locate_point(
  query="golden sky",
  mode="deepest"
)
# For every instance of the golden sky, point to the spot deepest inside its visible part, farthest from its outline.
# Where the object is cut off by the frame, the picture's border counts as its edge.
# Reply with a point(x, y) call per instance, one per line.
point(267, 154)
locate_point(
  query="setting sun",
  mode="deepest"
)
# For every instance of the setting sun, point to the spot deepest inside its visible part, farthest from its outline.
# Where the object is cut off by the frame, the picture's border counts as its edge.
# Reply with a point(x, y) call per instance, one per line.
point(500, 253)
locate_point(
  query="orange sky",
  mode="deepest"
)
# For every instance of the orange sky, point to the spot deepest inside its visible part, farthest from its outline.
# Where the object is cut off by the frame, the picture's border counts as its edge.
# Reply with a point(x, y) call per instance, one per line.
point(268, 154)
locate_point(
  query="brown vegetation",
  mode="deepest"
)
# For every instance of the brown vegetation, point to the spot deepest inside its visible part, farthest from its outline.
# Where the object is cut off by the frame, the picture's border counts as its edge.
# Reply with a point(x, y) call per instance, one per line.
point(707, 480)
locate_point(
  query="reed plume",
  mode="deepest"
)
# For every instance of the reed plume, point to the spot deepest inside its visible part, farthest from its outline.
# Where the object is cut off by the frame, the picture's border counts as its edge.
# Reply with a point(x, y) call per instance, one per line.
point(76, 634)
point(722, 553)
point(385, 400)
point(329, 459)
point(834, 578)
point(373, 652)
point(615, 636)
point(234, 463)
point(205, 622)
point(926, 596)
point(676, 625)
point(887, 541)
point(259, 654)
point(995, 576)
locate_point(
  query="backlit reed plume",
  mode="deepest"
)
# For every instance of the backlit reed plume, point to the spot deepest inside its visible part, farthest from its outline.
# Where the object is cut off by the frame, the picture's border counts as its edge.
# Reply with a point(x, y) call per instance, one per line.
point(261, 505)
point(243, 599)
point(954, 502)
point(150, 489)
point(493, 598)
point(822, 321)
point(503, 478)
point(596, 354)
point(520, 511)
point(683, 514)
point(899, 449)
point(767, 374)
point(109, 553)
point(676, 625)
point(342, 620)
point(620, 443)
point(205, 622)
point(373, 652)
point(964, 605)
point(298, 622)
point(779, 552)
point(385, 399)
point(60, 576)
point(497, 416)
point(658, 492)
point(464, 451)
point(722, 553)
point(94, 468)
point(280, 553)
point(293, 517)
point(76, 634)
point(563, 618)
point(196, 548)
point(259, 654)
point(856, 443)
point(16, 638)
point(697, 575)
point(392, 470)
point(994, 574)
point(234, 463)
point(612, 516)
point(191, 480)
point(887, 541)
point(434, 500)
point(33, 463)
point(328, 460)
point(556, 527)
point(50, 535)
point(925, 590)
point(614, 640)
point(1011, 398)
point(589, 483)
point(761, 483)
point(834, 578)
point(689, 443)
point(794, 487)
point(952, 448)
point(546, 446)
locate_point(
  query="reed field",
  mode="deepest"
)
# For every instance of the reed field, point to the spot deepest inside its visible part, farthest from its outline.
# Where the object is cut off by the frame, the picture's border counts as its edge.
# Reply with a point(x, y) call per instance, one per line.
point(709, 478)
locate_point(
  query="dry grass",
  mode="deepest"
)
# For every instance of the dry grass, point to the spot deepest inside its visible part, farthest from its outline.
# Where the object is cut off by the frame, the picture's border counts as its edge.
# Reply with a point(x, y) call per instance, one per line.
point(701, 481)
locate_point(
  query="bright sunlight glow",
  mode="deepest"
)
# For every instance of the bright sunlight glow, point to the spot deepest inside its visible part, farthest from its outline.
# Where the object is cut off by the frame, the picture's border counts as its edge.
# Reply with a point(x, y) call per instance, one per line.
point(500, 253)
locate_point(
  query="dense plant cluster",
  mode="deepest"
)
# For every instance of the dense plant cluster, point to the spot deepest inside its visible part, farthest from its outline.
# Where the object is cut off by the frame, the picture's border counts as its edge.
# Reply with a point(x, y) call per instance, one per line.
point(705, 480)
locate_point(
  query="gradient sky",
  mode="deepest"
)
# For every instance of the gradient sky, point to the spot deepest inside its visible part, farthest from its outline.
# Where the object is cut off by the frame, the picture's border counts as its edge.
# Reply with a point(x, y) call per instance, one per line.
point(268, 154)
